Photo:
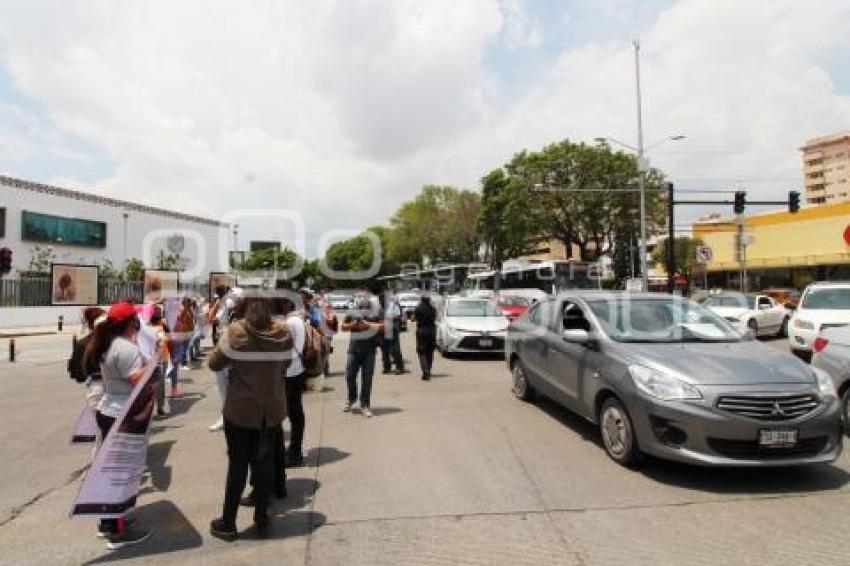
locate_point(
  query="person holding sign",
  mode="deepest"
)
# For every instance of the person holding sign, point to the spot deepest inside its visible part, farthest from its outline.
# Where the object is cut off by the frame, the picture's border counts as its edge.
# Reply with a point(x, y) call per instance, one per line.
point(114, 347)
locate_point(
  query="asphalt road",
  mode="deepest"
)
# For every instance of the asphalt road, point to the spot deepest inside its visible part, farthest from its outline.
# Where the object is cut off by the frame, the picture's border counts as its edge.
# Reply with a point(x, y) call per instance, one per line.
point(454, 471)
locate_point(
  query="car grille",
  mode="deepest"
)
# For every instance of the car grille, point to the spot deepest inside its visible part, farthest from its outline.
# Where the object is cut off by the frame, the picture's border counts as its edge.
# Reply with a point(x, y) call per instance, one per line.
point(474, 343)
point(750, 449)
point(777, 408)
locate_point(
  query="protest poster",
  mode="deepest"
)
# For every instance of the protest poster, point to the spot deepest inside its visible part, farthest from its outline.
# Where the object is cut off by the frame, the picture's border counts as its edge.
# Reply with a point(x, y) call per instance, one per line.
point(159, 284)
point(86, 428)
point(73, 285)
point(112, 482)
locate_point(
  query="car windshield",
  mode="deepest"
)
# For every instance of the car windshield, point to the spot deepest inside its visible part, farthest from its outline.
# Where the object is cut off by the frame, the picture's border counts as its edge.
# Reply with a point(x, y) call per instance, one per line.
point(834, 298)
point(513, 302)
point(472, 307)
point(736, 301)
point(661, 320)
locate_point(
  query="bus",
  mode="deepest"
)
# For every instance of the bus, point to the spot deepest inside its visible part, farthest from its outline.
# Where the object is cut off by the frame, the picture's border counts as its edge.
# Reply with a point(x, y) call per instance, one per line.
point(444, 279)
point(546, 276)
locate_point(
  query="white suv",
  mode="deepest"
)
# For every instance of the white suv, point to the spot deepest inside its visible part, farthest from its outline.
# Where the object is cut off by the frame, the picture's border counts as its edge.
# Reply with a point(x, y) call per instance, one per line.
point(823, 305)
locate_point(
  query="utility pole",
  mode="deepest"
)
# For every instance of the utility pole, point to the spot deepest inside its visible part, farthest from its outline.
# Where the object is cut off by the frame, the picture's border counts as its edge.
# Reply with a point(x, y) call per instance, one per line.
point(644, 269)
point(671, 239)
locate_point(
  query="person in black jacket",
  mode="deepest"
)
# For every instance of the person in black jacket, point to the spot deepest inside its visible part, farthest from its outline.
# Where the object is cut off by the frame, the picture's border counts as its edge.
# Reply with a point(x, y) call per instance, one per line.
point(425, 316)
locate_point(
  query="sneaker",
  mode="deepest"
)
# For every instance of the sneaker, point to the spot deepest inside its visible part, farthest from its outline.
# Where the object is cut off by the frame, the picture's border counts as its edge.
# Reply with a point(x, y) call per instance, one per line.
point(129, 537)
point(185, 368)
point(220, 529)
point(402, 371)
point(366, 412)
point(219, 425)
point(347, 407)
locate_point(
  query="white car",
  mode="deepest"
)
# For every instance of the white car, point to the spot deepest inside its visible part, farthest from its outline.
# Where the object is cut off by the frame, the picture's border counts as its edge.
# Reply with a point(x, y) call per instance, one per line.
point(757, 313)
point(408, 302)
point(338, 301)
point(470, 325)
point(823, 305)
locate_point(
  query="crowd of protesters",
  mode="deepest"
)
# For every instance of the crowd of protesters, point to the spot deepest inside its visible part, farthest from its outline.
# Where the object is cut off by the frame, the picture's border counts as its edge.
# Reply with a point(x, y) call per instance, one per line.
point(265, 348)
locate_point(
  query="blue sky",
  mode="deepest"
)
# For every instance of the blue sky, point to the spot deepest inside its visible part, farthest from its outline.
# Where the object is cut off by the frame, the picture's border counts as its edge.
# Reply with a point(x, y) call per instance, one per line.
point(341, 110)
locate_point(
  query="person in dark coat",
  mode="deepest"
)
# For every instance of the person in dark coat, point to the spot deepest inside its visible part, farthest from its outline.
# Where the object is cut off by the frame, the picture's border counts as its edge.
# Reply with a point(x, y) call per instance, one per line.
point(425, 316)
point(256, 351)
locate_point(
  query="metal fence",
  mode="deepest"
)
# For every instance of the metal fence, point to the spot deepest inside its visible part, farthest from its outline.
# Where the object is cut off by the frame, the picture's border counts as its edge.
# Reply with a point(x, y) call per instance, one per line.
point(35, 292)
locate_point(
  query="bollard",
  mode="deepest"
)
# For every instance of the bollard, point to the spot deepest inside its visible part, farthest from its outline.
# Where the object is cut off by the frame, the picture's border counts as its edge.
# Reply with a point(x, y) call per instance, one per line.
point(12, 350)
point(61, 321)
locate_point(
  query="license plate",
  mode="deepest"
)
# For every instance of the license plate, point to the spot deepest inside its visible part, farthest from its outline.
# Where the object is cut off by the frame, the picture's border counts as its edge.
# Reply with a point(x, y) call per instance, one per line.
point(486, 342)
point(777, 438)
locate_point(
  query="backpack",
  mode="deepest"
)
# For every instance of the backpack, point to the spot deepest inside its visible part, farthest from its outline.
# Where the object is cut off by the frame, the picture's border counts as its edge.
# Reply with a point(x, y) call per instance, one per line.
point(76, 371)
point(315, 354)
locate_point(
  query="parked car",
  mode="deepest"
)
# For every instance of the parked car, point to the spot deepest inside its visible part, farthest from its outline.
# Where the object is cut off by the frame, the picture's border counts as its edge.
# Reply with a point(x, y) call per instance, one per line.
point(661, 375)
point(822, 306)
point(338, 300)
point(470, 325)
point(512, 306)
point(788, 298)
point(758, 314)
point(831, 353)
point(408, 302)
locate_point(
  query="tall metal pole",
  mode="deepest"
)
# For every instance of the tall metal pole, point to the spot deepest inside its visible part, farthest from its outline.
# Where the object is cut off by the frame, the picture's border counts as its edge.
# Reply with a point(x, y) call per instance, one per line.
point(125, 215)
point(644, 268)
point(671, 240)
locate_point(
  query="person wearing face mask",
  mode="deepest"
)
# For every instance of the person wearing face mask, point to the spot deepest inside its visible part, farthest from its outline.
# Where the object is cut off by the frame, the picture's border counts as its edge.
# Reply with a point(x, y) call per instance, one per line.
point(114, 348)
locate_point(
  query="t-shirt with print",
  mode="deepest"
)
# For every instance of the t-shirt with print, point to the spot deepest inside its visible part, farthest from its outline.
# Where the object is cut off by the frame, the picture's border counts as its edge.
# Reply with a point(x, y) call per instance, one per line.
point(122, 359)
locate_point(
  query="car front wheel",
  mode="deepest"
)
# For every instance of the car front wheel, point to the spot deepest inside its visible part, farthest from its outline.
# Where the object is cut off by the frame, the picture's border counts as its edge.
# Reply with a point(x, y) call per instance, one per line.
point(521, 387)
point(845, 410)
point(618, 434)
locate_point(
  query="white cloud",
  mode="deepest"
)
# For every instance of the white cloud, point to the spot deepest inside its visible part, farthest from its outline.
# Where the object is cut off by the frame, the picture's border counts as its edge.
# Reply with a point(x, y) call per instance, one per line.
point(343, 109)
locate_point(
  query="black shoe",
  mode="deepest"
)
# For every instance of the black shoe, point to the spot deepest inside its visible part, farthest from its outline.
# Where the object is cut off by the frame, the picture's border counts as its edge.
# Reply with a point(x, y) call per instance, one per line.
point(220, 529)
point(388, 370)
point(280, 492)
point(248, 500)
point(401, 371)
point(128, 537)
point(294, 459)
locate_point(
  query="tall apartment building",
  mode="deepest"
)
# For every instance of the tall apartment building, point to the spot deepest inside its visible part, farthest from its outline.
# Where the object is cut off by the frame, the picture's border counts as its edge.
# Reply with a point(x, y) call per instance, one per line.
point(826, 169)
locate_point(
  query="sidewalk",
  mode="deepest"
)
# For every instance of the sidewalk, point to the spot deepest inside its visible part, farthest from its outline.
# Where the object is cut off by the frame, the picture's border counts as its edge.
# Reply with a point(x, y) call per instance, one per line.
point(38, 331)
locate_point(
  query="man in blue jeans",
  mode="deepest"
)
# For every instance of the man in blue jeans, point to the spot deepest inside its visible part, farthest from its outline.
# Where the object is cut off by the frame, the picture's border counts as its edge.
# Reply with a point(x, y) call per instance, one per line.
point(366, 327)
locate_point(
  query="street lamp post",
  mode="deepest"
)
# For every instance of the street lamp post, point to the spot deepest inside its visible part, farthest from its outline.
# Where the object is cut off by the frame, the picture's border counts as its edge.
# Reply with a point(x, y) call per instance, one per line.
point(644, 269)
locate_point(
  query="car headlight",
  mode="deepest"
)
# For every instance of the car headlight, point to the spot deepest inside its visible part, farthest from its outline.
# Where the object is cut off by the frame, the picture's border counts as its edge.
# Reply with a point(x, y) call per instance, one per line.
point(803, 324)
point(825, 384)
point(661, 385)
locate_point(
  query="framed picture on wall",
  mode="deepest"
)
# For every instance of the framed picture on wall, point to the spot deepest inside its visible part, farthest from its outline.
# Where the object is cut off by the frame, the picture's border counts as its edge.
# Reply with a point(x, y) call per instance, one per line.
point(160, 284)
point(218, 279)
point(74, 285)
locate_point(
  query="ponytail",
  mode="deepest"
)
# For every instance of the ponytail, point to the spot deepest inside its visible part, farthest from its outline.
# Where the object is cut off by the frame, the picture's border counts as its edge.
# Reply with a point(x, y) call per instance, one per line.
point(102, 337)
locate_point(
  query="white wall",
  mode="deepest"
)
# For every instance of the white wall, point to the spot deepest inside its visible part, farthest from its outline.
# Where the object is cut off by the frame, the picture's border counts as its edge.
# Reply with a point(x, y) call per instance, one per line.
point(22, 317)
point(211, 242)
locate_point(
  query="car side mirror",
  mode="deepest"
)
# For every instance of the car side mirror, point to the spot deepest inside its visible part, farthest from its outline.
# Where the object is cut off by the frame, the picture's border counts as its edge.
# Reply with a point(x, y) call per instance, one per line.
point(576, 336)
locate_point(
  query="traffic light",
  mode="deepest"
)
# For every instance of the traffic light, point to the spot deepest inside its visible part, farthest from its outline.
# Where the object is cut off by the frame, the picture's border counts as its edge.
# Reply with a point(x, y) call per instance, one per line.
point(5, 261)
point(740, 201)
point(793, 201)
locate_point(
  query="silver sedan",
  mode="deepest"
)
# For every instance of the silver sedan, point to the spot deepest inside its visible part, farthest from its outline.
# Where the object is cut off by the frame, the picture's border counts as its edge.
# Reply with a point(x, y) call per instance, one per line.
point(664, 376)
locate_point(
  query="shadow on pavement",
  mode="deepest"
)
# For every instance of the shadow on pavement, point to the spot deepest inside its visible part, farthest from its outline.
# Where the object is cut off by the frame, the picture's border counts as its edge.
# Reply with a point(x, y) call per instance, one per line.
point(327, 454)
point(753, 480)
point(299, 493)
point(383, 411)
point(181, 405)
point(289, 524)
point(799, 479)
point(172, 532)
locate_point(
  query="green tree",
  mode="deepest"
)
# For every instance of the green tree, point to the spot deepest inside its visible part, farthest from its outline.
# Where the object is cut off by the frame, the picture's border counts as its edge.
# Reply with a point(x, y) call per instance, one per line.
point(440, 223)
point(505, 223)
point(269, 259)
point(584, 195)
point(685, 249)
point(134, 269)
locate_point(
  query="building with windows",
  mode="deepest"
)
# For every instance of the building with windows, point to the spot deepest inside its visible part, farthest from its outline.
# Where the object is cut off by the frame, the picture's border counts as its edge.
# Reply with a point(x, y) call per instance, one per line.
point(83, 228)
point(782, 249)
point(826, 169)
